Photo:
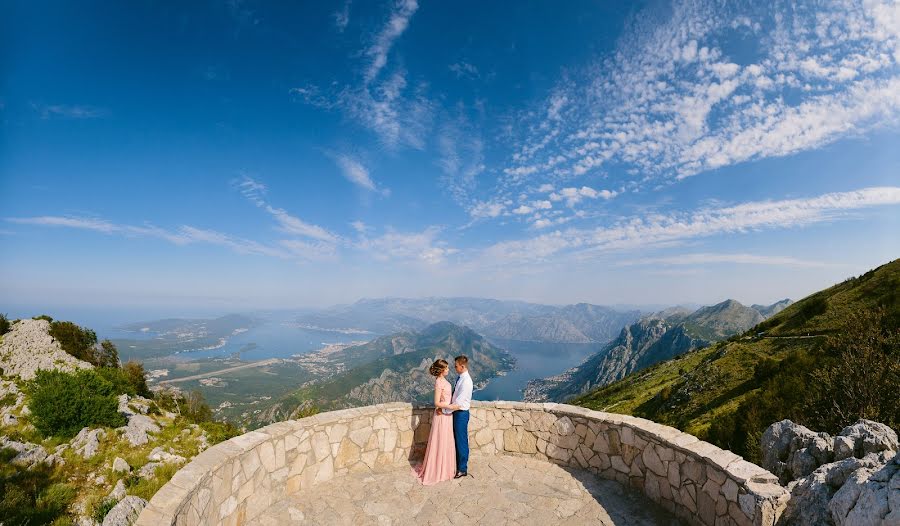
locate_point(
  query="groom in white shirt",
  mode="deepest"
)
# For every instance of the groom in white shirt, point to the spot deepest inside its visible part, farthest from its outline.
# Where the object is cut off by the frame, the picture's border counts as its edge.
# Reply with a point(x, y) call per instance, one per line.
point(462, 398)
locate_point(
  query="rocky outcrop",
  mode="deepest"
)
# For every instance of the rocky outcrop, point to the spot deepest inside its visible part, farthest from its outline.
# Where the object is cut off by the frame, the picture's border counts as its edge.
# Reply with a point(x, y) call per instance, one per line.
point(125, 512)
point(119, 465)
point(28, 347)
point(136, 432)
point(87, 442)
point(869, 498)
point(851, 479)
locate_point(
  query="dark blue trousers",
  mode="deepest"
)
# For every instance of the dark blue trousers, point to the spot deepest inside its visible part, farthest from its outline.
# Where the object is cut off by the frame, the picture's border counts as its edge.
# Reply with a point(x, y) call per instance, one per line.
point(461, 436)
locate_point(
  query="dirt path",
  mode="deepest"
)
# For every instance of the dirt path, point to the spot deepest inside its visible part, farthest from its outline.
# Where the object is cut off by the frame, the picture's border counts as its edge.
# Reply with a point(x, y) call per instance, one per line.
point(261, 363)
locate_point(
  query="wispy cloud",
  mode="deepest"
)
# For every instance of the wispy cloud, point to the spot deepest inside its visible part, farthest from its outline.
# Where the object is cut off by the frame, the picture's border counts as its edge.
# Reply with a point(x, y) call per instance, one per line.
point(63, 111)
point(424, 246)
point(666, 229)
point(672, 102)
point(255, 192)
point(342, 17)
point(397, 23)
point(356, 173)
point(463, 69)
point(184, 235)
point(396, 109)
point(698, 259)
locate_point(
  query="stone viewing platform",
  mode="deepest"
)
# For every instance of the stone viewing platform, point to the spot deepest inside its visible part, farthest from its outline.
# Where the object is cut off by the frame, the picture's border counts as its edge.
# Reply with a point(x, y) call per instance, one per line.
point(558, 463)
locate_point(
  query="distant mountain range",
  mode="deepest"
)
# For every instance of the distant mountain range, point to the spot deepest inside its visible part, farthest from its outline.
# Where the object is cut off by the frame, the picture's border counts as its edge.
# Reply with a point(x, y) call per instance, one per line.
point(392, 368)
point(512, 320)
point(650, 340)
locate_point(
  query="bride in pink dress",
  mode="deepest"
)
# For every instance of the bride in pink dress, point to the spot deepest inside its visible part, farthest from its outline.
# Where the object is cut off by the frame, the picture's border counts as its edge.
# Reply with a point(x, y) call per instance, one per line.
point(440, 454)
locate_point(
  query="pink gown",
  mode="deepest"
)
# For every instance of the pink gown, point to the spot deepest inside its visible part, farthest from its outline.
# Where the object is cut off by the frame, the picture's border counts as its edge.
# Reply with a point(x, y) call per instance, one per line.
point(440, 454)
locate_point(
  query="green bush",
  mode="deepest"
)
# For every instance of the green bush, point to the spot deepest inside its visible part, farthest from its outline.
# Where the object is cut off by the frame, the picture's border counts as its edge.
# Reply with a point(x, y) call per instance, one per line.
point(107, 355)
point(63, 403)
point(137, 377)
point(75, 340)
point(128, 380)
point(4, 324)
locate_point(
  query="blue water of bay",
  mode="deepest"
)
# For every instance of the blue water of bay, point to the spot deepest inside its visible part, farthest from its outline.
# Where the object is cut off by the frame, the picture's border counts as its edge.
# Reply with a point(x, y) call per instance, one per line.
point(533, 360)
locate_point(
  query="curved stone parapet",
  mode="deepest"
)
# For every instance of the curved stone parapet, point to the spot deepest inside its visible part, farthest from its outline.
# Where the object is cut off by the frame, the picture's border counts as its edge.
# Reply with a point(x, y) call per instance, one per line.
point(233, 482)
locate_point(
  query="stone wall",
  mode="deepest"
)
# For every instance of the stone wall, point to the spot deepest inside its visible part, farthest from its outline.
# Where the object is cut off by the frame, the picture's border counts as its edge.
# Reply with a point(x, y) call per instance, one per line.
point(234, 481)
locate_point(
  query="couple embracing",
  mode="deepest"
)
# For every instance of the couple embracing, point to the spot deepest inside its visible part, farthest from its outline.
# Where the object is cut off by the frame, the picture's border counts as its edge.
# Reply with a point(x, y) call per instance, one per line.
point(447, 453)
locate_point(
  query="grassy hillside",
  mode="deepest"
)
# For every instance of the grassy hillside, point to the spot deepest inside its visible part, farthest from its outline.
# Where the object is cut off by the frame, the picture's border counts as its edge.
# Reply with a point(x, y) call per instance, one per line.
point(824, 361)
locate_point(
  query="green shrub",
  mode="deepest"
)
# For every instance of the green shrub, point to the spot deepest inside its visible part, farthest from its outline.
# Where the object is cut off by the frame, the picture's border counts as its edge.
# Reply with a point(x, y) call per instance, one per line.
point(137, 377)
point(128, 380)
point(107, 355)
point(43, 317)
point(75, 340)
point(63, 403)
point(4, 324)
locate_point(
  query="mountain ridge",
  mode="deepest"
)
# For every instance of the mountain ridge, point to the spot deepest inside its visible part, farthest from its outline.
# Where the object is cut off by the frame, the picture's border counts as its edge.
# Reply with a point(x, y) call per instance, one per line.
point(653, 338)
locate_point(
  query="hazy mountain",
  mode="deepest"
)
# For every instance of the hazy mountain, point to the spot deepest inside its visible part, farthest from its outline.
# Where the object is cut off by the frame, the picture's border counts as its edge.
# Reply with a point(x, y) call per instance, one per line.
point(394, 368)
point(722, 320)
point(651, 339)
point(770, 310)
point(514, 320)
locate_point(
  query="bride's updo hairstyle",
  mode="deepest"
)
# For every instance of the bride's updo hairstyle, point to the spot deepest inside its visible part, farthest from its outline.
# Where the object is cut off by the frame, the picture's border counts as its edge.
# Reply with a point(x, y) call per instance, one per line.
point(438, 367)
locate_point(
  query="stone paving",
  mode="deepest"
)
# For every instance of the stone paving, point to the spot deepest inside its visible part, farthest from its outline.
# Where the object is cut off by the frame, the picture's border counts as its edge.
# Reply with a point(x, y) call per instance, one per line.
point(503, 490)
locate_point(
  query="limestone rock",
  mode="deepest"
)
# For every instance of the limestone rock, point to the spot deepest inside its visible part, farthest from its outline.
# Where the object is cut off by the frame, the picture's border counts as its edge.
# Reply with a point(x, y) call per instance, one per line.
point(125, 512)
point(792, 451)
point(120, 466)
point(160, 455)
point(867, 437)
point(87, 441)
point(28, 347)
point(869, 497)
point(138, 427)
point(118, 492)
point(148, 470)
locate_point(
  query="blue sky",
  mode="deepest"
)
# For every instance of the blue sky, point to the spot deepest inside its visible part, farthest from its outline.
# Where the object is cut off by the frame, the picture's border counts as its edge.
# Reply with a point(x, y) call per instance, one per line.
point(249, 154)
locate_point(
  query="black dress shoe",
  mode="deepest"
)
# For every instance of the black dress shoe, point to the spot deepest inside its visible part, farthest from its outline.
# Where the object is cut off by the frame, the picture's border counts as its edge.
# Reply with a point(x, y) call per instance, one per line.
point(461, 474)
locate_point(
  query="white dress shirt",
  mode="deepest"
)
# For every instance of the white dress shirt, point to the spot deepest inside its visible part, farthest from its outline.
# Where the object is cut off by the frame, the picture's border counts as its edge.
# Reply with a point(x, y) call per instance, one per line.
point(462, 393)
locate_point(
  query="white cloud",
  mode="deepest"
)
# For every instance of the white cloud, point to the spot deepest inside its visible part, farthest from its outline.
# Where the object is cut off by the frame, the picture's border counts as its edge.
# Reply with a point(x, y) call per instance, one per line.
point(355, 172)
point(97, 225)
point(342, 17)
point(659, 229)
point(715, 258)
point(397, 23)
point(421, 247)
point(461, 156)
point(573, 195)
point(396, 110)
point(523, 209)
point(464, 70)
point(360, 227)
point(486, 209)
point(255, 192)
point(63, 111)
point(671, 102)
point(544, 188)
